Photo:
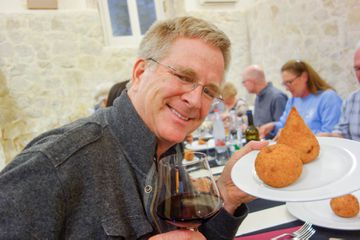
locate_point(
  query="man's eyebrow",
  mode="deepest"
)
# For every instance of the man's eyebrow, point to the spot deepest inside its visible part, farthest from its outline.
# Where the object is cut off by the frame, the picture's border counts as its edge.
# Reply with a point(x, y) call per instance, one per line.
point(188, 72)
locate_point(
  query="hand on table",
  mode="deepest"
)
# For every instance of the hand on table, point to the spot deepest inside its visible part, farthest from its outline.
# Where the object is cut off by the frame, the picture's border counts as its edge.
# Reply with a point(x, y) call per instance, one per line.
point(179, 235)
point(265, 129)
point(233, 197)
point(325, 134)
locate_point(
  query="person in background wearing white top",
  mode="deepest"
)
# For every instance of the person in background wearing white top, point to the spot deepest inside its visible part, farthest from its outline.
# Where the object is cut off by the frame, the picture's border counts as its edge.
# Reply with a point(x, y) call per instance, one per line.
point(349, 124)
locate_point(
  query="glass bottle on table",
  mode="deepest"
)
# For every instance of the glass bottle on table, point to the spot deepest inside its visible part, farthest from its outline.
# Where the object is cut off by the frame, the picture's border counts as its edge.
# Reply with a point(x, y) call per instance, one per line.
point(235, 132)
point(221, 155)
point(251, 132)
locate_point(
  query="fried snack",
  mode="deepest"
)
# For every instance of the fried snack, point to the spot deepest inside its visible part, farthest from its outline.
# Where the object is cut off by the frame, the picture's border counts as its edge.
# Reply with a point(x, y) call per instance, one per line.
point(188, 155)
point(201, 141)
point(297, 134)
point(202, 184)
point(346, 206)
point(278, 165)
point(189, 138)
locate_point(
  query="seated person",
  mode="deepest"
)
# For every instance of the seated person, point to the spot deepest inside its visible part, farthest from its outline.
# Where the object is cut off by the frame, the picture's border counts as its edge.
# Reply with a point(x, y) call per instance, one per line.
point(269, 102)
point(349, 124)
point(115, 91)
point(229, 103)
point(316, 101)
point(100, 96)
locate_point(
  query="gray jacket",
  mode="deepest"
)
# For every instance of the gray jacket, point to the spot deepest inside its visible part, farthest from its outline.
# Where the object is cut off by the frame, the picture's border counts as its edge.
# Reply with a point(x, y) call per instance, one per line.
point(91, 179)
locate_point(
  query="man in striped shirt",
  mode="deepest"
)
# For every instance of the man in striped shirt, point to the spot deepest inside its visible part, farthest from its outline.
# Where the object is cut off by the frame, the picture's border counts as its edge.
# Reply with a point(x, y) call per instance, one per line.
point(349, 123)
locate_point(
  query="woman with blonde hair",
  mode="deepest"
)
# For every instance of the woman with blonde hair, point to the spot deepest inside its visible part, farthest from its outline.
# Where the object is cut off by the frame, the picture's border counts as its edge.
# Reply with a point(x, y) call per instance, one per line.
point(316, 101)
point(230, 101)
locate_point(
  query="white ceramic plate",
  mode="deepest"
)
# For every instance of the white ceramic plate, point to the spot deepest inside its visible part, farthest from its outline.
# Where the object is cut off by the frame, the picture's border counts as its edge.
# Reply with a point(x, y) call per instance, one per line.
point(319, 213)
point(335, 172)
point(195, 146)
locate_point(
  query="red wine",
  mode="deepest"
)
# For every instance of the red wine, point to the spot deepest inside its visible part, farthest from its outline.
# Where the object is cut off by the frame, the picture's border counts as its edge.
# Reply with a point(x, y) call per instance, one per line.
point(188, 210)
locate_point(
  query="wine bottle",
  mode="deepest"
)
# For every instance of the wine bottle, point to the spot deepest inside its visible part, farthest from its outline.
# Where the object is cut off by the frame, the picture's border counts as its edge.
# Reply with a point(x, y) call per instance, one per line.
point(251, 132)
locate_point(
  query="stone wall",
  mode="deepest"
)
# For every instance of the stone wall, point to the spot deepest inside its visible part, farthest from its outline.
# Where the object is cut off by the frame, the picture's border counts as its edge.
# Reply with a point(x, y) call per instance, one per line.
point(321, 32)
point(51, 64)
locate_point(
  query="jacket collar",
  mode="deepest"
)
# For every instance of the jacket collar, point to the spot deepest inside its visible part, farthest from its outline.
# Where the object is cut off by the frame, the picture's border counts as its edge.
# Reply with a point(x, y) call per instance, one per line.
point(138, 142)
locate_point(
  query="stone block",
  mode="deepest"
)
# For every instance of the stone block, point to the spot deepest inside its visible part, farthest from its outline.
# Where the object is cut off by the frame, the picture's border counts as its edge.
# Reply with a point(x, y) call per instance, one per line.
point(42, 4)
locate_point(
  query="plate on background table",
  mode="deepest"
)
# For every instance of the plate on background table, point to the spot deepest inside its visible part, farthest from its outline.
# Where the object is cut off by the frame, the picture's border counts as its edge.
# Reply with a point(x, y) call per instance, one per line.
point(207, 136)
point(335, 172)
point(195, 146)
point(319, 213)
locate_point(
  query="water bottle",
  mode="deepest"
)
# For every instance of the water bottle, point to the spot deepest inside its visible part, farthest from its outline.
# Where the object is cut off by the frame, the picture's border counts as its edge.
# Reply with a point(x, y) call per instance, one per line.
point(220, 142)
point(235, 132)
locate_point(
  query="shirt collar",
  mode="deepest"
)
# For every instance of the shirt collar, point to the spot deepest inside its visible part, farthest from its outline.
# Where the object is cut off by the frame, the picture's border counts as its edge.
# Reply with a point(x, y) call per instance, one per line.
point(265, 89)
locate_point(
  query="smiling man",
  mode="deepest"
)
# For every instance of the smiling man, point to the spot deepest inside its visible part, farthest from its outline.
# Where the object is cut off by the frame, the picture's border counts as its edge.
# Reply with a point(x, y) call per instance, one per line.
point(95, 178)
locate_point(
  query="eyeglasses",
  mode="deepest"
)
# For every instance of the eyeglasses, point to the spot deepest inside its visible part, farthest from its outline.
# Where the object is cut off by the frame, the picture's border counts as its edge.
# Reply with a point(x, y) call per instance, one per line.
point(245, 81)
point(290, 81)
point(211, 91)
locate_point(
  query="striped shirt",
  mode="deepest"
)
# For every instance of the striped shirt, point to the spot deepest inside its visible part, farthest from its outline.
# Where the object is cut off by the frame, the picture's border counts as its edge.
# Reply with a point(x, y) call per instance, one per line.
point(349, 124)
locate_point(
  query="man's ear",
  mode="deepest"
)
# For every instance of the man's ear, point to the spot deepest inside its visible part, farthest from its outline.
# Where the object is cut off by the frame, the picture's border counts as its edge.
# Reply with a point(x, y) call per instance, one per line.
point(137, 71)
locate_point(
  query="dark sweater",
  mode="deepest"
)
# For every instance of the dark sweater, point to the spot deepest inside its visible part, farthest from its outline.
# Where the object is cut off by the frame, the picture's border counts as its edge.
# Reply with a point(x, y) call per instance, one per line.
point(90, 180)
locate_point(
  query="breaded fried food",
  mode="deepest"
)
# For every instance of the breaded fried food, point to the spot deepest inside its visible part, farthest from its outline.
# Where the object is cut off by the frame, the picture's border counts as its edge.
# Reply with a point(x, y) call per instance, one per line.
point(188, 154)
point(202, 184)
point(297, 134)
point(201, 141)
point(346, 206)
point(189, 138)
point(278, 165)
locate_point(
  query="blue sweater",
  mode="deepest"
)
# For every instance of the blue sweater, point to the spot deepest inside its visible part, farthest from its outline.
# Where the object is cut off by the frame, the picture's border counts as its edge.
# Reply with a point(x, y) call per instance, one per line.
point(320, 112)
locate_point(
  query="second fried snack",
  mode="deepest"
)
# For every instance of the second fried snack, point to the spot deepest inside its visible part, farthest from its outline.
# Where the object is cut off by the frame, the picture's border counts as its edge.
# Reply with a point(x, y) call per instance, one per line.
point(202, 141)
point(278, 165)
point(297, 134)
point(346, 206)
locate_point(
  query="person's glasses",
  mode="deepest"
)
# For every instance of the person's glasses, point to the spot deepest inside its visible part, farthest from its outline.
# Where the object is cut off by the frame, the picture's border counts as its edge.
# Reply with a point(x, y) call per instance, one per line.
point(290, 81)
point(210, 91)
point(245, 81)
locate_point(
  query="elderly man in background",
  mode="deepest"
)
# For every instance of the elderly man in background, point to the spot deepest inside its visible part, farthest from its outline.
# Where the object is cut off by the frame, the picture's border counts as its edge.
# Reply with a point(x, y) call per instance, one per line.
point(95, 178)
point(349, 123)
point(270, 102)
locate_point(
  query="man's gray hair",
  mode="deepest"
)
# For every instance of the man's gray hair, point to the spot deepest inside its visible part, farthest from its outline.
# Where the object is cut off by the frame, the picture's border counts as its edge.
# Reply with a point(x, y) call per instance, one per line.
point(159, 38)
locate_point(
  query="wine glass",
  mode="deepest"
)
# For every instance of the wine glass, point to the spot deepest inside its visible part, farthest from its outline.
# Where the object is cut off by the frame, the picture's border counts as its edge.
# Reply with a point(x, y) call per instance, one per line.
point(186, 194)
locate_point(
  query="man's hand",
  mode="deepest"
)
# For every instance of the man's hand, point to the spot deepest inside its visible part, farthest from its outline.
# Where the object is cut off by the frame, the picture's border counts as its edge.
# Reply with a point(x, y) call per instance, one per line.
point(233, 197)
point(325, 134)
point(179, 235)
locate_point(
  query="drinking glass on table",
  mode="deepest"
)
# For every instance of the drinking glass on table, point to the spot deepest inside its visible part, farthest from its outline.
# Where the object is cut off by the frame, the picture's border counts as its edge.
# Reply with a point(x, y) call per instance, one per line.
point(186, 194)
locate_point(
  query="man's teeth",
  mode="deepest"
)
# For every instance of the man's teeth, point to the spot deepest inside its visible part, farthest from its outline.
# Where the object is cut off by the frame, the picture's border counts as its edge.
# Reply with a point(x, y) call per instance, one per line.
point(179, 115)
